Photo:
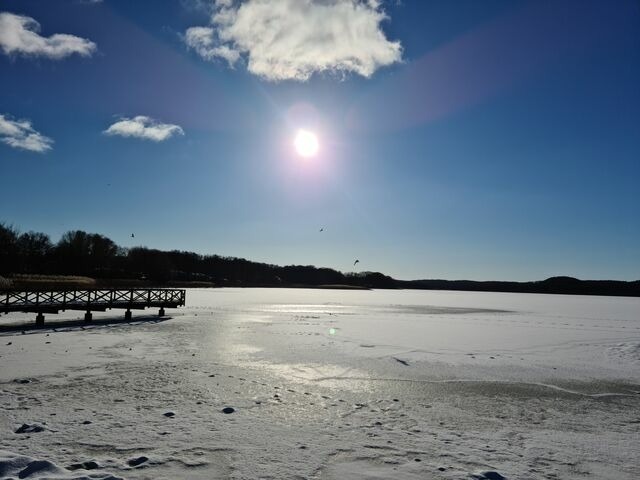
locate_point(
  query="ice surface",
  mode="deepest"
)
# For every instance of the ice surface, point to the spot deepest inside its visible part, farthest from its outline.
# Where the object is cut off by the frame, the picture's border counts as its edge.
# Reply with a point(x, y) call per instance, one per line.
point(329, 384)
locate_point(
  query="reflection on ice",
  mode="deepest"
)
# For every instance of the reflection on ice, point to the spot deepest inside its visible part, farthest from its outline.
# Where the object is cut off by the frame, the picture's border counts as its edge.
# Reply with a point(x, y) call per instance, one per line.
point(540, 336)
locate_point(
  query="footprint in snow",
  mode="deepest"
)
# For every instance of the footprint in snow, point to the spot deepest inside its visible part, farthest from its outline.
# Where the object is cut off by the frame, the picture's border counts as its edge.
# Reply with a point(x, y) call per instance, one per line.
point(90, 465)
point(26, 428)
point(489, 475)
point(134, 462)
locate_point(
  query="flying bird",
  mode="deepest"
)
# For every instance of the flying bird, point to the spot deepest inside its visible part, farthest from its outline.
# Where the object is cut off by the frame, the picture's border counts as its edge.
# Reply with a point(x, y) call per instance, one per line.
point(132, 235)
point(354, 263)
point(322, 229)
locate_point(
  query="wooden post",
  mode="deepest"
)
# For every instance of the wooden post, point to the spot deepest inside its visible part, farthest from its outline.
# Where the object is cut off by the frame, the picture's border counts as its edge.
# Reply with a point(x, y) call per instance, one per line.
point(161, 312)
point(40, 319)
point(88, 317)
point(127, 315)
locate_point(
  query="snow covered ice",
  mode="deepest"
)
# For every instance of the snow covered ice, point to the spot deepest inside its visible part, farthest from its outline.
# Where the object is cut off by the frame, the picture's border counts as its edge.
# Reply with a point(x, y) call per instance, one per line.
point(328, 384)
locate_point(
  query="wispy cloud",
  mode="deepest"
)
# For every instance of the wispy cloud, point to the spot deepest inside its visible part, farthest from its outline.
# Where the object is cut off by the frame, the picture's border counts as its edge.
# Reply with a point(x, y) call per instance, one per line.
point(198, 5)
point(293, 39)
point(19, 35)
point(20, 134)
point(202, 40)
point(144, 127)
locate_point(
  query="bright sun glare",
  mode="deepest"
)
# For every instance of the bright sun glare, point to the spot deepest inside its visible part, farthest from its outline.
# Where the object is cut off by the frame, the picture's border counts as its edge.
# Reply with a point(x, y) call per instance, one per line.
point(306, 143)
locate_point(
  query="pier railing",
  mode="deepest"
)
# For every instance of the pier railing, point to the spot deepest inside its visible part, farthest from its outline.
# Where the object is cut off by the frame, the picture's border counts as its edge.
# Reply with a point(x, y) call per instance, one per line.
point(53, 301)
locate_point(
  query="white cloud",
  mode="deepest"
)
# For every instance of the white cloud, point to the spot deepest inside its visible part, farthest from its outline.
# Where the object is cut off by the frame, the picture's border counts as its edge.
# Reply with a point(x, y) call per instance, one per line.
point(19, 36)
point(144, 127)
point(20, 134)
point(293, 39)
point(201, 39)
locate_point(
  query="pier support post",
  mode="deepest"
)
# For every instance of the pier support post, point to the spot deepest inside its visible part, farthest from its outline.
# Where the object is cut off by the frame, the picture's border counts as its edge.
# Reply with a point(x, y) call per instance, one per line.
point(88, 317)
point(161, 312)
point(127, 315)
point(40, 319)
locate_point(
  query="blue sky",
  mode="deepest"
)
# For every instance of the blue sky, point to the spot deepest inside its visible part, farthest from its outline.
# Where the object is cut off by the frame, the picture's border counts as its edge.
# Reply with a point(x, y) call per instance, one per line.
point(458, 139)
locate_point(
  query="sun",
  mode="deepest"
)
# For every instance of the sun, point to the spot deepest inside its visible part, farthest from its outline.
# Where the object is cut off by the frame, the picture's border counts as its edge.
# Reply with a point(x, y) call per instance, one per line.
point(306, 143)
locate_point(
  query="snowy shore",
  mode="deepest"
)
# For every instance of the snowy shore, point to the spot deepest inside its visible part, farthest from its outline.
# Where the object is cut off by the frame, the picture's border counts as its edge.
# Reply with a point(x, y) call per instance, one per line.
point(329, 384)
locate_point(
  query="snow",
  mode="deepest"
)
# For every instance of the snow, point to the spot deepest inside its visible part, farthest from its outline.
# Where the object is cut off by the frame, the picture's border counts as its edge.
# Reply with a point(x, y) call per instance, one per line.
point(328, 384)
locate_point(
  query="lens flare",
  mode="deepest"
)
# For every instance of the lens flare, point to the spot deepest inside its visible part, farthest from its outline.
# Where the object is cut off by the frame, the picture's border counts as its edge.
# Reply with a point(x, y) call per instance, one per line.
point(306, 143)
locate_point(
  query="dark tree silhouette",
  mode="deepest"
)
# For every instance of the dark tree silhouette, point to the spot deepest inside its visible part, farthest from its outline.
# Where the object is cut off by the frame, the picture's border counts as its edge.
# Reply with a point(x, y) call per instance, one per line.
point(9, 260)
point(83, 253)
point(94, 255)
point(34, 250)
point(149, 264)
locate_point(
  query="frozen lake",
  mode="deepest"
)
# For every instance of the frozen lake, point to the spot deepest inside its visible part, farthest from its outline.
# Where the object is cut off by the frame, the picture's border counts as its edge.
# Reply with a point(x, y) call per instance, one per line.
point(330, 384)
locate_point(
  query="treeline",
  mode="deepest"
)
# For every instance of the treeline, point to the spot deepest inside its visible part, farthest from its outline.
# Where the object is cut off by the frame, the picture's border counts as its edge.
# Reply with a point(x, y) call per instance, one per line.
point(556, 285)
point(79, 253)
point(94, 255)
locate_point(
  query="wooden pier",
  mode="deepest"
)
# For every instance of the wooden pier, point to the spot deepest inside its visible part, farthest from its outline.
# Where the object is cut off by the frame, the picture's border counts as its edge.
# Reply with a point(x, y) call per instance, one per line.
point(93, 300)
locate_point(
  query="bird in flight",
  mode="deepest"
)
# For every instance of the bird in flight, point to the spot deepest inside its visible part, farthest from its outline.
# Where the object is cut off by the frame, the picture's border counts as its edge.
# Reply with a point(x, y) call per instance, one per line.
point(322, 229)
point(354, 263)
point(132, 235)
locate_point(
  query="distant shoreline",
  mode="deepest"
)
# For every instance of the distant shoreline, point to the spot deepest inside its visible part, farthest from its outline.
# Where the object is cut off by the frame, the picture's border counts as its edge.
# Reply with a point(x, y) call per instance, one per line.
point(554, 285)
point(90, 260)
